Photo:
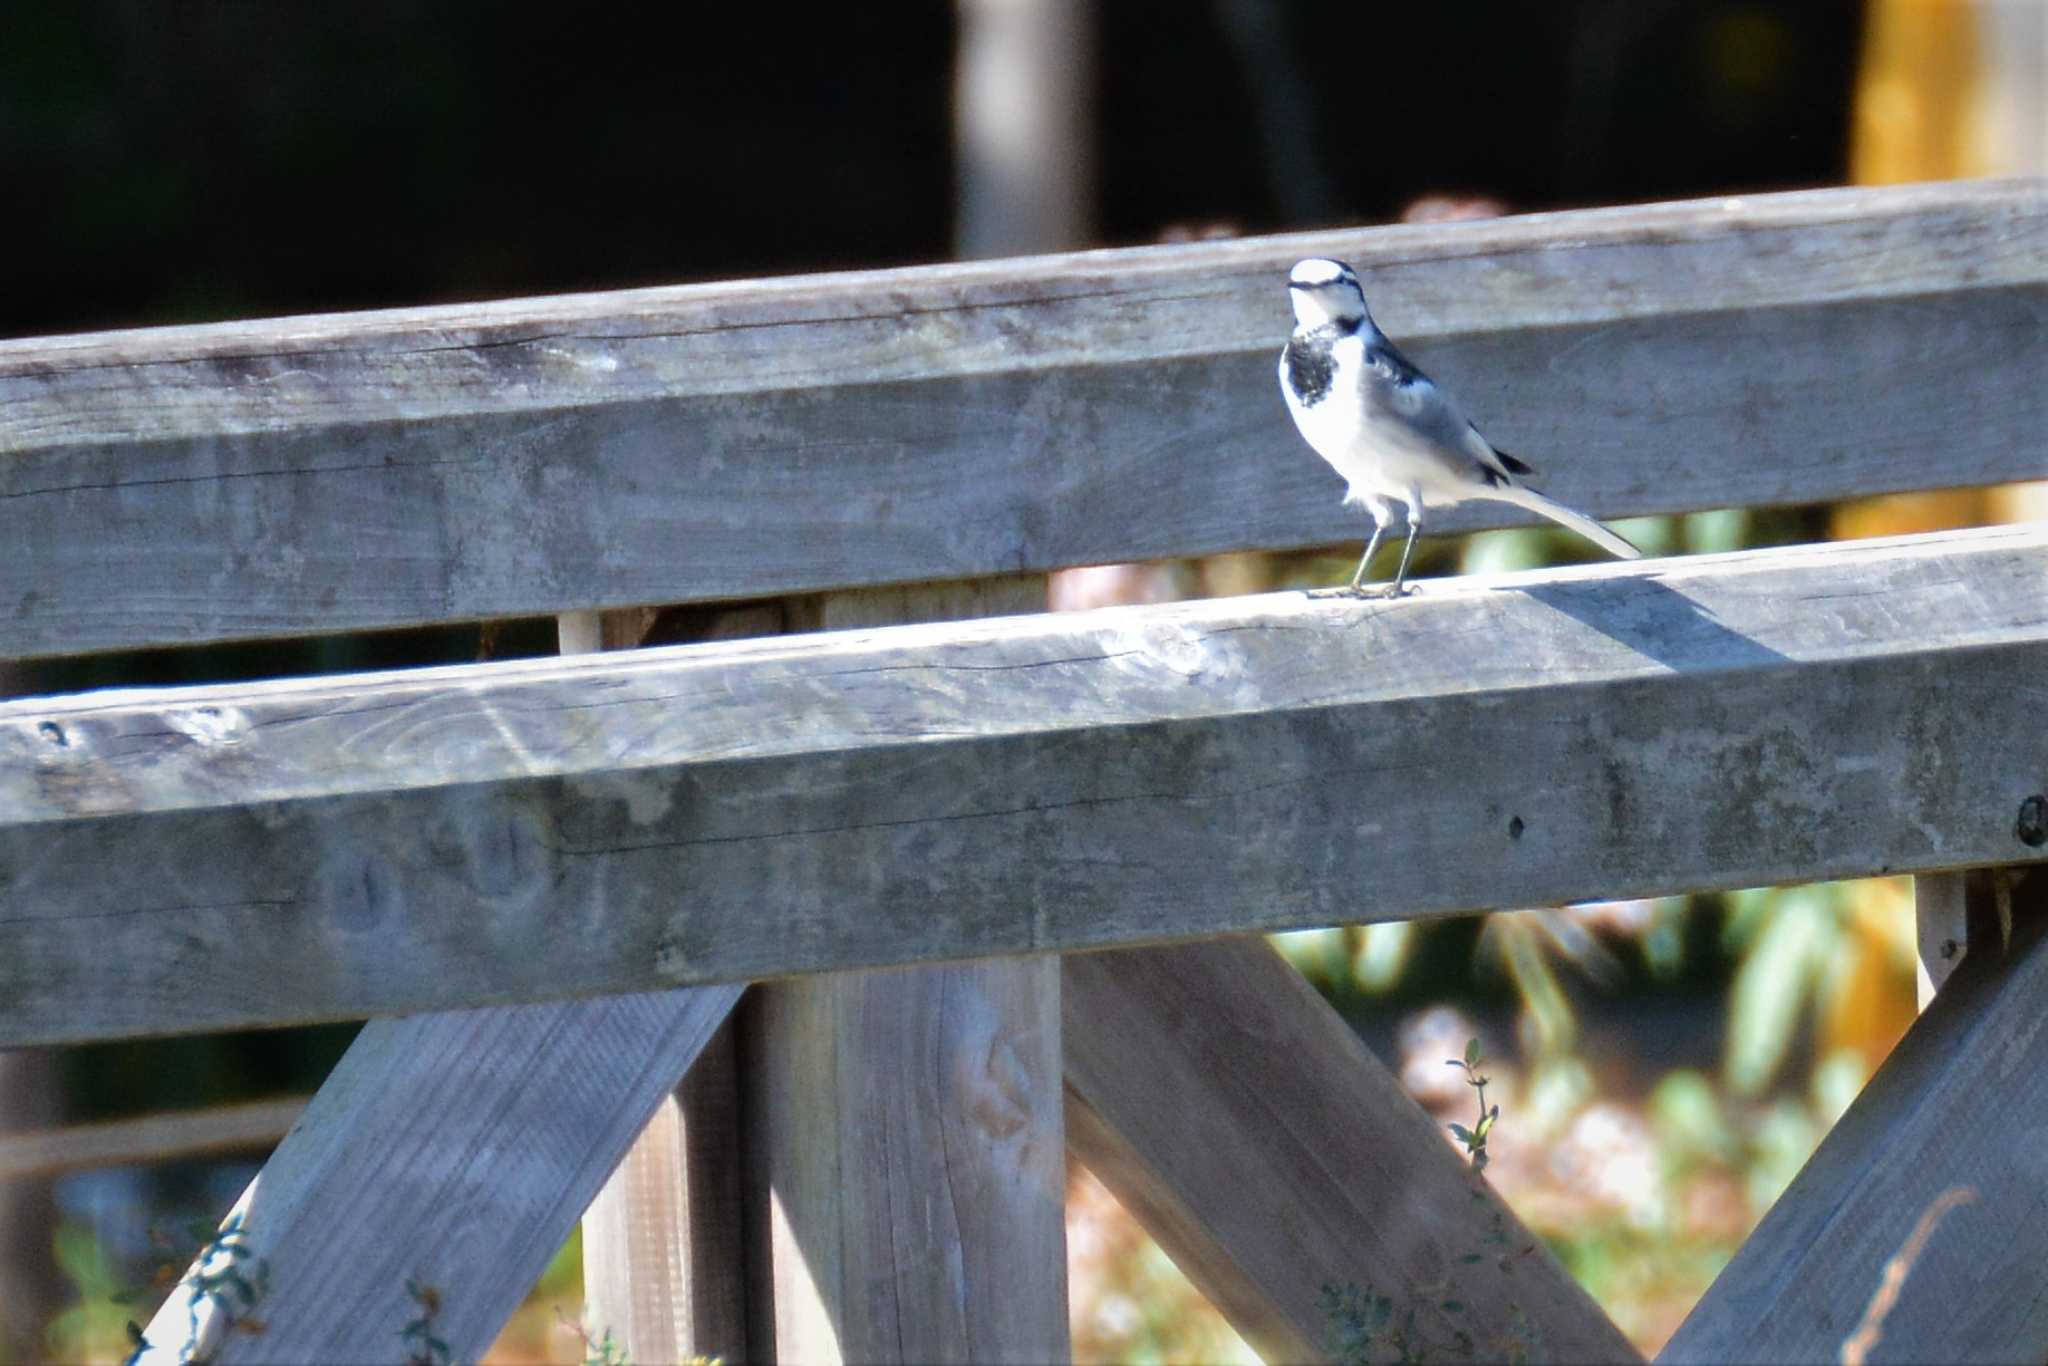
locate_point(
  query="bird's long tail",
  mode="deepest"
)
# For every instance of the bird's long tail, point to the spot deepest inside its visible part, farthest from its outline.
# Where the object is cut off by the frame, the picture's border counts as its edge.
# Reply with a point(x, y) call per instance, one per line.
point(1564, 516)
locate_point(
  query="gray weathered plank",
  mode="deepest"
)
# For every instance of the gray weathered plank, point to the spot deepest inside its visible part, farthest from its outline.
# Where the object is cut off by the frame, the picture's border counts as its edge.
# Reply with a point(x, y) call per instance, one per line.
point(1916, 1231)
point(456, 1151)
point(907, 1196)
point(307, 849)
point(336, 473)
point(909, 1157)
point(663, 1247)
point(1229, 1108)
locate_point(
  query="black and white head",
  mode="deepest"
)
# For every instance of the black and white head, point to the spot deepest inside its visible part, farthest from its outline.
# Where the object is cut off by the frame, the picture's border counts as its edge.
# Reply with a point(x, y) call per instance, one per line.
point(1325, 293)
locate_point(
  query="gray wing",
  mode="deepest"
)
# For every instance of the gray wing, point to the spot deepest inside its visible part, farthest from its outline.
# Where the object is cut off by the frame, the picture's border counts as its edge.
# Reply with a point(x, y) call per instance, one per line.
point(1414, 399)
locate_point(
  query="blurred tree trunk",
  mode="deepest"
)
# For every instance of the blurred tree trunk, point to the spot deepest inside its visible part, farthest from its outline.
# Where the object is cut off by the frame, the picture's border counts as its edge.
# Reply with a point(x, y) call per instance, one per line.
point(1948, 91)
point(1024, 127)
point(30, 1287)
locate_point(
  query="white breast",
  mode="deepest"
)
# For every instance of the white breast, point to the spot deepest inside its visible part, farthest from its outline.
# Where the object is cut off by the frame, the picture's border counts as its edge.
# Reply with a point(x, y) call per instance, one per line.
point(1378, 448)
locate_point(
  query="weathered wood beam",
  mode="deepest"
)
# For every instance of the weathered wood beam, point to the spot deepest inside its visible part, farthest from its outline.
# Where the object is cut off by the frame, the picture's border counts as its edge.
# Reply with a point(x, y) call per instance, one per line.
point(320, 848)
point(905, 1132)
point(1230, 1109)
point(664, 1265)
point(1915, 1232)
point(907, 1141)
point(454, 1152)
point(336, 473)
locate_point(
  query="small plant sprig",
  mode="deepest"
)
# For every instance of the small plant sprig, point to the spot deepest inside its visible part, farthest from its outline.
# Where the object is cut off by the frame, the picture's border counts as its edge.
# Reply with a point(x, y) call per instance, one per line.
point(424, 1347)
point(227, 1280)
point(604, 1350)
point(1474, 1138)
point(1364, 1327)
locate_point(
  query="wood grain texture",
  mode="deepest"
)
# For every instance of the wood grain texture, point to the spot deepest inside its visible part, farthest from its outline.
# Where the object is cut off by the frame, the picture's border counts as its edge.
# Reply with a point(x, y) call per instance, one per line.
point(663, 1243)
point(308, 849)
point(456, 1150)
point(323, 474)
point(1947, 1132)
point(1252, 1133)
point(904, 1129)
point(906, 1134)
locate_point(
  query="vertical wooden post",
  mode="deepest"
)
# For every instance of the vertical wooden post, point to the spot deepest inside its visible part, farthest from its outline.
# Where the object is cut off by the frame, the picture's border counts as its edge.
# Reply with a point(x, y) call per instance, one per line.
point(1939, 908)
point(1961, 913)
point(663, 1260)
point(906, 1144)
point(663, 1263)
point(905, 1132)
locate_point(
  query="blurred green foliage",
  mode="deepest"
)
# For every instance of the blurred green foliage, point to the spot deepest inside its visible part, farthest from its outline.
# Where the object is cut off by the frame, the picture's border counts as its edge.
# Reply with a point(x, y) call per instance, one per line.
point(96, 1327)
point(1644, 1175)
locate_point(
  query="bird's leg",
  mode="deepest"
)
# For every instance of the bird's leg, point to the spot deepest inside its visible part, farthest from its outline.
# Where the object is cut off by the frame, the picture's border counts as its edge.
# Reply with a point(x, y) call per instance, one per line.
point(1378, 529)
point(1407, 551)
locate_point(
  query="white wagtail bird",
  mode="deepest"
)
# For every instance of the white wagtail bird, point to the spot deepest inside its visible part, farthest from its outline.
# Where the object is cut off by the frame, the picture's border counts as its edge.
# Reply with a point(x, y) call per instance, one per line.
point(1384, 426)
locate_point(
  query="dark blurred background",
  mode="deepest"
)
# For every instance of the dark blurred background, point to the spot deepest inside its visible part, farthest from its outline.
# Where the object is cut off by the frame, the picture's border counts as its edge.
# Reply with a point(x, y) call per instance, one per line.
point(1664, 1067)
point(174, 163)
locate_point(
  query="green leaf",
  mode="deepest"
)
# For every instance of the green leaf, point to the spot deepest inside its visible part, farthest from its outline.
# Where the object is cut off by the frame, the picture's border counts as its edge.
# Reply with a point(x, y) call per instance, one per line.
point(1472, 1051)
point(1781, 969)
point(1464, 1135)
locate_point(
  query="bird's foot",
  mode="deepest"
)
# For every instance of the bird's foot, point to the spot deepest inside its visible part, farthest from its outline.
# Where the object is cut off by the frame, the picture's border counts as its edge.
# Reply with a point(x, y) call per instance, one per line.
point(1361, 591)
point(1364, 590)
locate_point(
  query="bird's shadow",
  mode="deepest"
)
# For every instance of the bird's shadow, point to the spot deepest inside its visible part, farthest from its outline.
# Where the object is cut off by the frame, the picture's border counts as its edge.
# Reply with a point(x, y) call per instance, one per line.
point(1655, 620)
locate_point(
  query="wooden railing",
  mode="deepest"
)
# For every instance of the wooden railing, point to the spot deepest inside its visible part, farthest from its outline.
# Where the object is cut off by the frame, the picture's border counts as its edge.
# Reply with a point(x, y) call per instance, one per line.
point(547, 880)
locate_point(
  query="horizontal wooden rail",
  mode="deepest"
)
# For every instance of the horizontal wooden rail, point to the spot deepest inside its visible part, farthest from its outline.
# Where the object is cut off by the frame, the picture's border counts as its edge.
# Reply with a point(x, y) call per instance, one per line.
point(327, 474)
point(189, 859)
point(147, 1139)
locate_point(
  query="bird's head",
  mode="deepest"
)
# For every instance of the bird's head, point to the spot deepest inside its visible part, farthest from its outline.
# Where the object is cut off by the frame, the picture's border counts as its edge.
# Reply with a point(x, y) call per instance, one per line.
point(1326, 292)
